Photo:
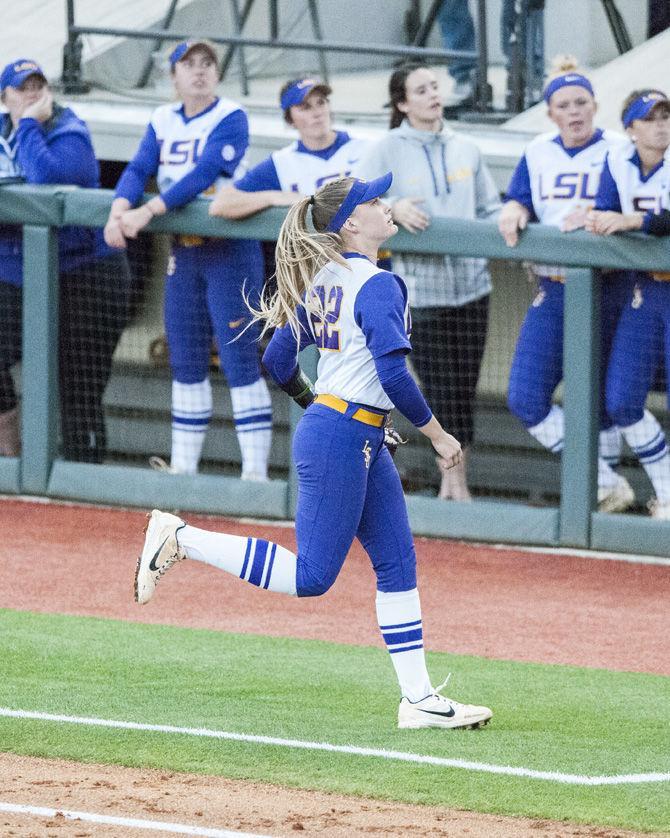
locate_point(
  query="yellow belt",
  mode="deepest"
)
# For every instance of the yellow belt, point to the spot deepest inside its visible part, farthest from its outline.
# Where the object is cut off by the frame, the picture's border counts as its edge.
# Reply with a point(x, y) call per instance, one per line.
point(367, 417)
point(189, 241)
point(661, 276)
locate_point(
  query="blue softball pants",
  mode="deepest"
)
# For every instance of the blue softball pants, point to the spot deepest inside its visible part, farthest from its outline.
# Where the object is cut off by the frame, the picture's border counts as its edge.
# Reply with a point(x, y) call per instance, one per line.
point(348, 487)
point(641, 341)
point(204, 298)
point(537, 366)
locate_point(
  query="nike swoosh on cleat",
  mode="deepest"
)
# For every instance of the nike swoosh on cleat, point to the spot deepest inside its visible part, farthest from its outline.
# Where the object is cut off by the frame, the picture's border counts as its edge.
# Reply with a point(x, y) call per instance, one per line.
point(448, 715)
point(152, 563)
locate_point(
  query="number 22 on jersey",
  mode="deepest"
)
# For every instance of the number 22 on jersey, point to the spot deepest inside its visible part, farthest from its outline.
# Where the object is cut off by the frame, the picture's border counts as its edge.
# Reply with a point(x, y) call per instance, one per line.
point(326, 335)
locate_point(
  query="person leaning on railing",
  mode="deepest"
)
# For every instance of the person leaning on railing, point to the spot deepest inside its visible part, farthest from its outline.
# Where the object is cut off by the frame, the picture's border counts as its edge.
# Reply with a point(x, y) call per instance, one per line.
point(555, 183)
point(193, 147)
point(43, 142)
point(633, 195)
point(438, 173)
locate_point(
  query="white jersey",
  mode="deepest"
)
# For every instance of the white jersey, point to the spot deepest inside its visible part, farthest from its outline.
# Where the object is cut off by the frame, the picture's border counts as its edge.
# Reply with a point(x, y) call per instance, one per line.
point(303, 172)
point(346, 363)
point(561, 182)
point(637, 193)
point(181, 143)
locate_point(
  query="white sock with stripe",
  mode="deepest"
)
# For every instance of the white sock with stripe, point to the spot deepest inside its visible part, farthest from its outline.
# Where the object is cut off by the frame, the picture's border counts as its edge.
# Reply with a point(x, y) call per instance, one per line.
point(399, 617)
point(550, 433)
point(252, 413)
point(191, 413)
point(648, 443)
point(262, 563)
point(609, 449)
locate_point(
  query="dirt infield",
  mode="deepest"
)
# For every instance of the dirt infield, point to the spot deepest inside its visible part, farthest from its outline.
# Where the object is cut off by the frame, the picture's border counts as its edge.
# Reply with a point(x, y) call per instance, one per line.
point(510, 605)
point(500, 604)
point(247, 807)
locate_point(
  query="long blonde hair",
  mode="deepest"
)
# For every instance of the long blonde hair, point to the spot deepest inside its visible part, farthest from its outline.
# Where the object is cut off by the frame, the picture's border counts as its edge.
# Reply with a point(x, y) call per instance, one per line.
point(300, 254)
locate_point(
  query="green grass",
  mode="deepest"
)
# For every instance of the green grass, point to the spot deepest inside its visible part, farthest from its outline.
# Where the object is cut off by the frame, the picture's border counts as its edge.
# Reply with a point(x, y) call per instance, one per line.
point(552, 718)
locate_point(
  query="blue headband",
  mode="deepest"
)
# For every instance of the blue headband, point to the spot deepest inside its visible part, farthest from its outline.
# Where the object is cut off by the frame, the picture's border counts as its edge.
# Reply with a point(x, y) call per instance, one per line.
point(566, 80)
point(360, 193)
point(641, 107)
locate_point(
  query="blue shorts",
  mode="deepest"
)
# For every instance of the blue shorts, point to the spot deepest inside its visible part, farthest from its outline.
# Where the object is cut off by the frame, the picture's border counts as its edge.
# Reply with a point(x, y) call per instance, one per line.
point(537, 366)
point(348, 487)
point(204, 298)
point(641, 342)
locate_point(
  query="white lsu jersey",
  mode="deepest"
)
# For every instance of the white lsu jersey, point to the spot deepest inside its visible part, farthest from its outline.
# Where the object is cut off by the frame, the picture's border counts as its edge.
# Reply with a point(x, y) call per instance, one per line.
point(346, 366)
point(181, 143)
point(305, 173)
point(636, 193)
point(561, 183)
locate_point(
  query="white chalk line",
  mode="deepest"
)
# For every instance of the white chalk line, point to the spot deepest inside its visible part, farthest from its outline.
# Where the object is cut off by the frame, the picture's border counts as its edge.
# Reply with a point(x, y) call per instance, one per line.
point(380, 753)
point(133, 823)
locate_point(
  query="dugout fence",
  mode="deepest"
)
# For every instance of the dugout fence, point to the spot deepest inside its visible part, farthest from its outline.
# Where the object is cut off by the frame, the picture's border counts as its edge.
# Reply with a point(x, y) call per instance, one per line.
point(42, 470)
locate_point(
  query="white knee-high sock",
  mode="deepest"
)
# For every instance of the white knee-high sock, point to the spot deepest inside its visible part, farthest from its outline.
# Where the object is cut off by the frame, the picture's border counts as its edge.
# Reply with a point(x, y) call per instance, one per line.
point(550, 433)
point(252, 413)
point(399, 617)
point(191, 413)
point(648, 443)
point(609, 449)
point(262, 563)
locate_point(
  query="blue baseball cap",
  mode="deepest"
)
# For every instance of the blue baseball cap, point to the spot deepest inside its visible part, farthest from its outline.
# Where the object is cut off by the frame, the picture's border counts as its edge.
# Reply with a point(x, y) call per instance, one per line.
point(566, 80)
point(296, 93)
point(18, 71)
point(641, 107)
point(361, 192)
point(182, 49)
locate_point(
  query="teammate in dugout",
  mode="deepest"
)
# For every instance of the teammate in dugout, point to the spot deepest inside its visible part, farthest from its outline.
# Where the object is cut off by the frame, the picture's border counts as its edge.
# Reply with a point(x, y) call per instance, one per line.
point(555, 183)
point(331, 293)
point(634, 195)
point(43, 142)
point(194, 147)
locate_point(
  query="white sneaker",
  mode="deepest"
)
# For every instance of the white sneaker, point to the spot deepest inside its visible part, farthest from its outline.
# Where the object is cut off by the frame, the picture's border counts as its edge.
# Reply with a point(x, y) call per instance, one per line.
point(618, 499)
point(439, 711)
point(659, 511)
point(160, 552)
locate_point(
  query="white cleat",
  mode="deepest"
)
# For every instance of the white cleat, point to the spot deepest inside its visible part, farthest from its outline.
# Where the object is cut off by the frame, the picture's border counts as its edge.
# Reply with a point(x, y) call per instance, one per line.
point(438, 711)
point(659, 511)
point(617, 499)
point(160, 552)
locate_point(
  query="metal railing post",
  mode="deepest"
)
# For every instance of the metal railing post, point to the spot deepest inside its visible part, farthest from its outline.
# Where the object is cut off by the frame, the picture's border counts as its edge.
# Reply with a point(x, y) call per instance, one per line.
point(39, 369)
point(71, 80)
point(581, 405)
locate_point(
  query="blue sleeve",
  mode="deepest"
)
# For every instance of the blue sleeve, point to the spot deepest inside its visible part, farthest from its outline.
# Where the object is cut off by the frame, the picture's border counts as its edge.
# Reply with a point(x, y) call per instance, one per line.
point(401, 388)
point(607, 197)
point(519, 186)
point(379, 311)
point(224, 150)
point(67, 157)
point(260, 178)
point(280, 359)
point(143, 166)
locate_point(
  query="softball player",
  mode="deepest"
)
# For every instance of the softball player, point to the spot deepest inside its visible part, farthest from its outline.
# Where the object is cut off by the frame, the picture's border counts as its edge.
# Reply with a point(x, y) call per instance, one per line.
point(321, 154)
point(330, 293)
point(555, 183)
point(193, 147)
point(633, 192)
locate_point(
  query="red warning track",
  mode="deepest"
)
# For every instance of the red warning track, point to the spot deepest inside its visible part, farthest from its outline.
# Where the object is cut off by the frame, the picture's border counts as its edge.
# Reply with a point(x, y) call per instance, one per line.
point(476, 600)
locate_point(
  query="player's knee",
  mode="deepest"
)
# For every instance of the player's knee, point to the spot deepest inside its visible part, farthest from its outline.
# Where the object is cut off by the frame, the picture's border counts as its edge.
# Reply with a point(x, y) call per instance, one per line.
point(524, 409)
point(313, 581)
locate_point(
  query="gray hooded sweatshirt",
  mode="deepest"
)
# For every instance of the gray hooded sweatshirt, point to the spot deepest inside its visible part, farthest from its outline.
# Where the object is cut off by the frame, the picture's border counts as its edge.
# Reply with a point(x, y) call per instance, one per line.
point(448, 172)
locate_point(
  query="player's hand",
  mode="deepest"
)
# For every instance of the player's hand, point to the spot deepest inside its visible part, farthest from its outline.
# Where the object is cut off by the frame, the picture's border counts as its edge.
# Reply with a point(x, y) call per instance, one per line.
point(42, 109)
point(512, 219)
point(449, 451)
point(134, 220)
point(408, 214)
point(607, 223)
point(113, 234)
point(574, 220)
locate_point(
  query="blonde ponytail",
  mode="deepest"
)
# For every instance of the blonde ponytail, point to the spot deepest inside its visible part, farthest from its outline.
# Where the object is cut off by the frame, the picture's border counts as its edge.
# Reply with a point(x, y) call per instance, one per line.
point(562, 64)
point(300, 254)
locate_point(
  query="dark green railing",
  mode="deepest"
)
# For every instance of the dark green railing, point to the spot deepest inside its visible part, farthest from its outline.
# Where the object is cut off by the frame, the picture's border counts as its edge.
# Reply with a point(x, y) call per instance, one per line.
point(573, 523)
